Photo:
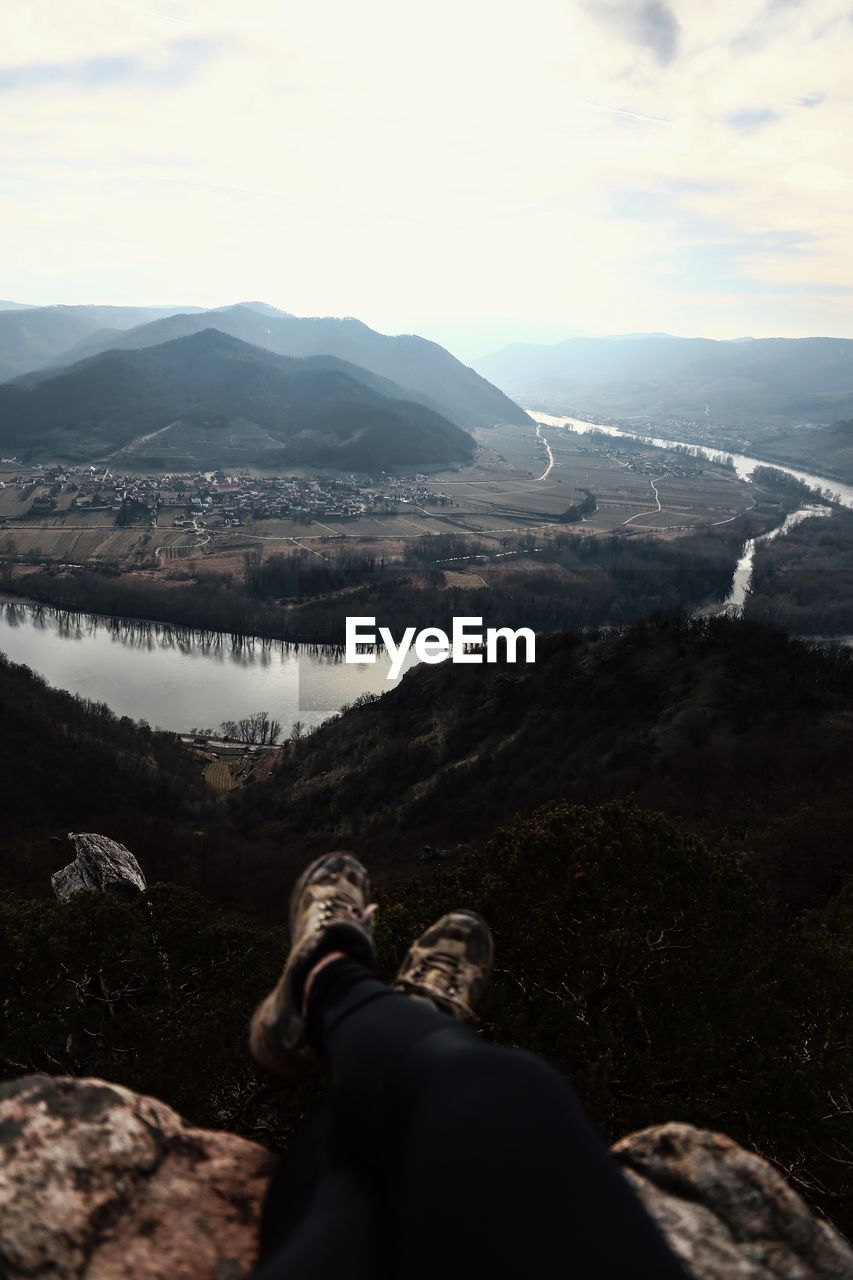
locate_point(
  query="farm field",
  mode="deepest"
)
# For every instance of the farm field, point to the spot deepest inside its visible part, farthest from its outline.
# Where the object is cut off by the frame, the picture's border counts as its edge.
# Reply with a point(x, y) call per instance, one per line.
point(508, 487)
point(219, 776)
point(67, 541)
point(514, 485)
point(15, 502)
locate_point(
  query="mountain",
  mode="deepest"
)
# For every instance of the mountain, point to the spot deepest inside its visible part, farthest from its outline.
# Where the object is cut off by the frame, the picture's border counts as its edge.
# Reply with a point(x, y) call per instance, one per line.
point(210, 400)
point(31, 337)
point(15, 306)
point(423, 368)
point(764, 380)
point(827, 448)
point(471, 340)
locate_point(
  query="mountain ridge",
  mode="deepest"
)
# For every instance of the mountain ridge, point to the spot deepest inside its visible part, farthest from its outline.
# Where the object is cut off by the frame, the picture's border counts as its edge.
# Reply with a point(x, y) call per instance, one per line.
point(31, 337)
point(216, 391)
point(786, 380)
point(416, 364)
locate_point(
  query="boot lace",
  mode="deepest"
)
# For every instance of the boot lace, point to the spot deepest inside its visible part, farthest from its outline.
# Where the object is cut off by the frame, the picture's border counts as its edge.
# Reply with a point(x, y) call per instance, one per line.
point(341, 907)
point(445, 969)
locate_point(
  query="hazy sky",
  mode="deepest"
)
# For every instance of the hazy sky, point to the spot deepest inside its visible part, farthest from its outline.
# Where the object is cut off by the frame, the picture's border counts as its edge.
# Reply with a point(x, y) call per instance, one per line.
point(611, 164)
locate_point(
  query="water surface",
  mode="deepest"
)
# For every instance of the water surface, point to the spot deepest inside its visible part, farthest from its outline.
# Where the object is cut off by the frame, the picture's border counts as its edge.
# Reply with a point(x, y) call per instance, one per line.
point(182, 680)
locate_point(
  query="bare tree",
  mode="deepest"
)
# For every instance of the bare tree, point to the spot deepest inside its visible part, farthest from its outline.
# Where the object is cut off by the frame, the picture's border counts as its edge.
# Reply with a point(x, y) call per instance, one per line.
point(258, 729)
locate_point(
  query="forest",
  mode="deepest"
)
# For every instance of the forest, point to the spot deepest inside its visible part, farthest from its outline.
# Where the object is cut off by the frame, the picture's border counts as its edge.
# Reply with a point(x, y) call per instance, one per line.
point(639, 961)
point(564, 580)
point(804, 582)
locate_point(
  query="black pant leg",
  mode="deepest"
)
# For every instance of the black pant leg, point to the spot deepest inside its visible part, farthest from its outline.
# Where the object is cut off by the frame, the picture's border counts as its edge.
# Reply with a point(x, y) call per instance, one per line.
point(323, 1216)
point(491, 1166)
point(502, 1176)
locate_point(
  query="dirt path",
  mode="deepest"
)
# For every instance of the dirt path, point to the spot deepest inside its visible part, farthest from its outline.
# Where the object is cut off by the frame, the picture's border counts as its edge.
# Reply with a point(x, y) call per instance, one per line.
point(547, 471)
point(658, 508)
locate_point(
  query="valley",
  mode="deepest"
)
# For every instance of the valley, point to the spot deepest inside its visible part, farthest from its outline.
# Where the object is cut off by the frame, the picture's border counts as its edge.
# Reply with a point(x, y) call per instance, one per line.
point(77, 513)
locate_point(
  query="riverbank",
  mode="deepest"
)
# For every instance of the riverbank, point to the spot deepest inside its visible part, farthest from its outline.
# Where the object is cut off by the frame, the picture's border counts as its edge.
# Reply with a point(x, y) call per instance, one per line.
point(744, 464)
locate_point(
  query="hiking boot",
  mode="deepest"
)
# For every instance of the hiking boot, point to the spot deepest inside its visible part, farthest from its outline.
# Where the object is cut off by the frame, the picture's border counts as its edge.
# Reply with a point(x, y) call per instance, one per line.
point(450, 964)
point(329, 911)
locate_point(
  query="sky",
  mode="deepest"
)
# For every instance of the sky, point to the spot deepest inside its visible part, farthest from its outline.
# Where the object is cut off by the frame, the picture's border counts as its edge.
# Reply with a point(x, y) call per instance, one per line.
point(474, 170)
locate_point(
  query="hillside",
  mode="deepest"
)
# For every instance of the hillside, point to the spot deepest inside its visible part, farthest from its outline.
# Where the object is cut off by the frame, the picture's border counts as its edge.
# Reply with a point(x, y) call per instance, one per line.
point(30, 337)
point(636, 960)
point(752, 381)
point(68, 764)
point(210, 399)
point(736, 732)
point(669, 979)
point(419, 366)
point(828, 448)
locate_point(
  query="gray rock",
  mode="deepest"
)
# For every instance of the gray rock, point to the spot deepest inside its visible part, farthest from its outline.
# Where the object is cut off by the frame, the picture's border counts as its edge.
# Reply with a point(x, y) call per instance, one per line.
point(100, 1183)
point(101, 864)
point(726, 1212)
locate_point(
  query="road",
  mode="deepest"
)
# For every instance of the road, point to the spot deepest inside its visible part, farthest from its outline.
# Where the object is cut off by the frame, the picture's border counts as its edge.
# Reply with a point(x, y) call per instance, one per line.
point(653, 483)
point(547, 471)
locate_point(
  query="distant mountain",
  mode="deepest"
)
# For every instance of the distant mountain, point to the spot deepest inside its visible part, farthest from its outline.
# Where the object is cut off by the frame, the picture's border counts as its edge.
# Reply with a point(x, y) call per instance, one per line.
point(421, 367)
point(15, 306)
point(209, 399)
point(469, 340)
point(30, 337)
point(762, 381)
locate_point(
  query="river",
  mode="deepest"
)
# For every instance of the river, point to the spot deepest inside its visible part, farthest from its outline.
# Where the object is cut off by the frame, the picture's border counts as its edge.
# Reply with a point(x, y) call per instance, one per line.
point(744, 465)
point(182, 680)
point(178, 680)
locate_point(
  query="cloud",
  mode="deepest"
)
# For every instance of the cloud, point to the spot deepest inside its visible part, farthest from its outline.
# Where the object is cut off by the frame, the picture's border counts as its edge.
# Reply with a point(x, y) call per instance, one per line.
point(811, 100)
point(624, 111)
point(615, 167)
point(752, 118)
point(650, 23)
point(179, 61)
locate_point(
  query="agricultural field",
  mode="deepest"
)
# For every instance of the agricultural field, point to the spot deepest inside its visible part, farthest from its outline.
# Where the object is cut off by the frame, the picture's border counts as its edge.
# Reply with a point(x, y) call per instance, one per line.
point(520, 481)
point(219, 776)
point(508, 486)
point(15, 502)
point(74, 540)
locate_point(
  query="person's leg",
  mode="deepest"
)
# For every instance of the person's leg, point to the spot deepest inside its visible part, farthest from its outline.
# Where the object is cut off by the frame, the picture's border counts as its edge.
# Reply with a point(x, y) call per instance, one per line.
point(322, 1216)
point(491, 1166)
point(488, 1164)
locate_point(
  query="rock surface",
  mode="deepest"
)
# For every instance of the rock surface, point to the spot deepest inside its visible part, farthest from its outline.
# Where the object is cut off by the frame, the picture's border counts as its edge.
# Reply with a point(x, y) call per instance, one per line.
point(727, 1213)
point(101, 864)
point(100, 1183)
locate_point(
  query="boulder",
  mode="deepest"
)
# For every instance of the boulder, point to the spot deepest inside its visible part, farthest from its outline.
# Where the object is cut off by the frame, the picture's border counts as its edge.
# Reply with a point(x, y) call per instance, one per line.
point(726, 1212)
point(101, 864)
point(103, 1183)
point(100, 1183)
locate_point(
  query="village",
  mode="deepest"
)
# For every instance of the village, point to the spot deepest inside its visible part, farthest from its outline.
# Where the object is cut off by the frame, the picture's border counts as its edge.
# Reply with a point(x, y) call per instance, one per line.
point(645, 461)
point(213, 499)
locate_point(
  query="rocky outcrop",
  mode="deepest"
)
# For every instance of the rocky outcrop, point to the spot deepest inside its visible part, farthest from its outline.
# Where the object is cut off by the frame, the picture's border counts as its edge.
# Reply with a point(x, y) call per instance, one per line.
point(727, 1213)
point(102, 1183)
point(99, 1183)
point(101, 864)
